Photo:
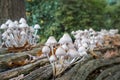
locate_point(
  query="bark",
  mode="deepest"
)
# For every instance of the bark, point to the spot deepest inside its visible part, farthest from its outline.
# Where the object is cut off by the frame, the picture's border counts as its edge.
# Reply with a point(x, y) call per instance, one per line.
point(23, 69)
point(15, 58)
point(11, 9)
point(44, 73)
point(89, 69)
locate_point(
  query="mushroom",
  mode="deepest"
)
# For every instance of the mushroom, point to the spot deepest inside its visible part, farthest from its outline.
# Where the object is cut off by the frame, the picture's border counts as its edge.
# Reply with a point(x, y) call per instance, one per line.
point(65, 39)
point(8, 42)
point(3, 26)
point(73, 54)
point(22, 20)
point(51, 42)
point(11, 25)
point(46, 51)
point(4, 35)
point(36, 27)
point(52, 58)
point(12, 39)
point(8, 22)
point(82, 51)
point(60, 53)
point(23, 26)
point(23, 39)
point(30, 37)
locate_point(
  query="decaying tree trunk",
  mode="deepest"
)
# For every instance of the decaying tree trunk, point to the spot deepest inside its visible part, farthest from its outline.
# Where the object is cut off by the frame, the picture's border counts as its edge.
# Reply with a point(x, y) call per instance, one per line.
point(11, 9)
point(40, 69)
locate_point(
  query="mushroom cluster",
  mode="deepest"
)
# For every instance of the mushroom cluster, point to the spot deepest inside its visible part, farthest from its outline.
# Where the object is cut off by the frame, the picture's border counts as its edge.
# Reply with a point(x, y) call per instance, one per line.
point(65, 52)
point(61, 54)
point(91, 39)
point(19, 34)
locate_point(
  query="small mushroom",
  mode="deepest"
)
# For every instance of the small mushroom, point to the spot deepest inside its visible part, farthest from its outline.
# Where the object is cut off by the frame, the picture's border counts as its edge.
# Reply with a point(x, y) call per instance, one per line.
point(60, 53)
point(3, 26)
point(36, 27)
point(65, 39)
point(52, 58)
point(46, 51)
point(22, 20)
point(23, 26)
point(73, 54)
point(8, 22)
point(51, 42)
point(82, 51)
point(23, 39)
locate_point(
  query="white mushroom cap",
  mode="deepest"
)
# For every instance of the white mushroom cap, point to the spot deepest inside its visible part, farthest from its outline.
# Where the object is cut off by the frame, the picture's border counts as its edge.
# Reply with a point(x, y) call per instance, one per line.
point(81, 49)
point(11, 25)
point(73, 53)
point(3, 26)
point(65, 39)
point(85, 45)
point(37, 26)
point(91, 30)
point(51, 41)
point(84, 53)
point(60, 52)
point(16, 22)
point(23, 33)
point(45, 50)
point(52, 58)
point(113, 31)
point(8, 21)
point(22, 20)
point(23, 25)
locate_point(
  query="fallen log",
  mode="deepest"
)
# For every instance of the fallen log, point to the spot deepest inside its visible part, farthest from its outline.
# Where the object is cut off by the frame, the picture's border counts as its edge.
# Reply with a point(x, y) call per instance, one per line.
point(43, 73)
point(10, 56)
point(85, 71)
point(17, 59)
point(3, 50)
point(23, 69)
point(108, 73)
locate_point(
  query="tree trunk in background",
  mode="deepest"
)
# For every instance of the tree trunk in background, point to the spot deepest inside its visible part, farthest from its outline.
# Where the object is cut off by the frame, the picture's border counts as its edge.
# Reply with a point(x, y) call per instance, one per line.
point(11, 9)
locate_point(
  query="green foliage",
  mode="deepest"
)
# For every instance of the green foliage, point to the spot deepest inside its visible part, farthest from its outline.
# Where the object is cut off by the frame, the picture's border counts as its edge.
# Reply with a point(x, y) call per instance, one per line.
point(59, 16)
point(42, 12)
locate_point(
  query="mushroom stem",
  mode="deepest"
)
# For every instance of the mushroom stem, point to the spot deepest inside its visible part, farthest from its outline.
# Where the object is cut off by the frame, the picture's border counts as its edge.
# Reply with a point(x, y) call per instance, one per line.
point(52, 50)
point(54, 70)
point(36, 31)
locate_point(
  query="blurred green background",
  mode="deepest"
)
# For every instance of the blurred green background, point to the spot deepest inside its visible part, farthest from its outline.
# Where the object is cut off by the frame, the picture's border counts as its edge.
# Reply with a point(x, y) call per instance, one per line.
point(59, 16)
